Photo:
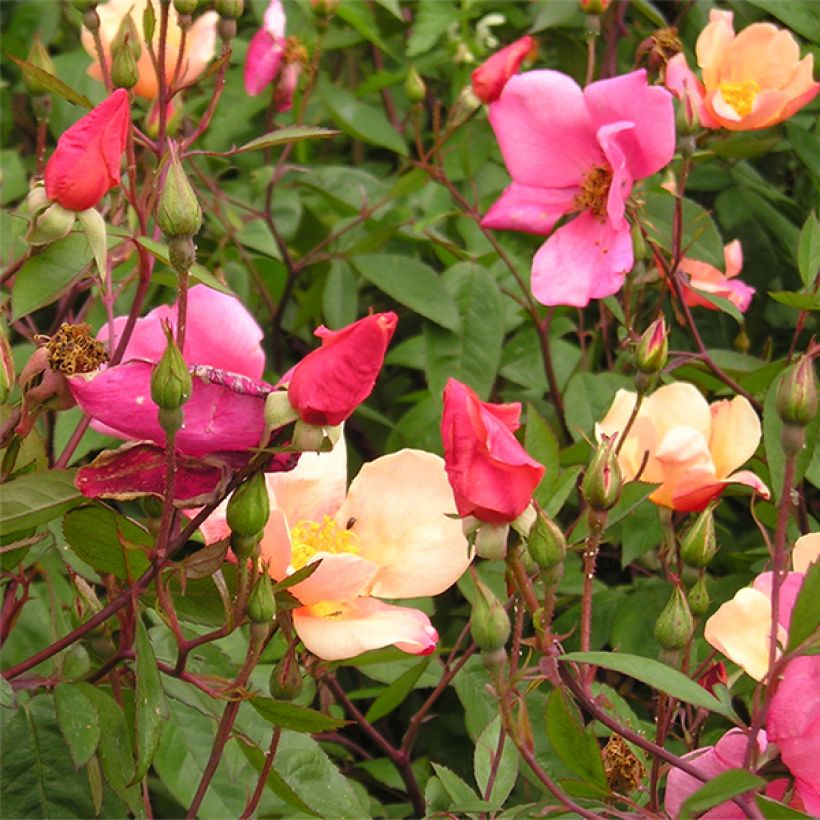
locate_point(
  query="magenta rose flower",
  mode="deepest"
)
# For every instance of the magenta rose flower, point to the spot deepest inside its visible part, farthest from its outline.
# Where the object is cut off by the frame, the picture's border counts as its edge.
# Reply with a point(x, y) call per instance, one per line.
point(491, 474)
point(578, 152)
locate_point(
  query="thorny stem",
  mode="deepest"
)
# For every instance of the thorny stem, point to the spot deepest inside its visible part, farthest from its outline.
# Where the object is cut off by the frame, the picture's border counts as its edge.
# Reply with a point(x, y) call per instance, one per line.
point(162, 78)
point(597, 524)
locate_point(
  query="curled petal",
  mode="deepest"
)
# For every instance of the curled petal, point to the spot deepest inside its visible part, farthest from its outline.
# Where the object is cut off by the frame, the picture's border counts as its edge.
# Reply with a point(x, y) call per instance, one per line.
point(338, 631)
point(263, 61)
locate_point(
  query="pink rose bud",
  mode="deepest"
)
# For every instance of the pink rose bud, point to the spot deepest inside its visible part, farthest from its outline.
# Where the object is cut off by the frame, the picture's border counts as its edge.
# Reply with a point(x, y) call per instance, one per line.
point(602, 482)
point(492, 476)
point(491, 76)
point(86, 163)
point(331, 382)
point(652, 349)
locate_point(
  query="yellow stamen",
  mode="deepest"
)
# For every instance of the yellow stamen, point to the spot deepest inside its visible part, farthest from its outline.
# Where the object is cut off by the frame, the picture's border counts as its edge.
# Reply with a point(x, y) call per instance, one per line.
point(594, 191)
point(740, 96)
point(309, 537)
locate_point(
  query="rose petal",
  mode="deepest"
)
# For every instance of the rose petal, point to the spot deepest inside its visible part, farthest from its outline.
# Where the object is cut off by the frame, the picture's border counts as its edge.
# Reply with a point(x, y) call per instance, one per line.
point(532, 210)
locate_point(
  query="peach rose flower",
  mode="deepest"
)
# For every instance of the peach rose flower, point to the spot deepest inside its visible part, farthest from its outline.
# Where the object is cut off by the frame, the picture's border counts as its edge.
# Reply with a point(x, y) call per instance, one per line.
point(389, 537)
point(688, 447)
point(750, 80)
point(704, 277)
point(740, 629)
point(199, 43)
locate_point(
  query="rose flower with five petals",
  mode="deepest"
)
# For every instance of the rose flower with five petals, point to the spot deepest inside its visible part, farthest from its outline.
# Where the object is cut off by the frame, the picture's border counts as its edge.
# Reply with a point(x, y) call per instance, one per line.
point(390, 537)
point(578, 152)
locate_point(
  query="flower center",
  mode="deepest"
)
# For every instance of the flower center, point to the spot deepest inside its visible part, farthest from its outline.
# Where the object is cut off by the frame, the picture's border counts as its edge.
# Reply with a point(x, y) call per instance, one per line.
point(72, 350)
point(740, 96)
point(594, 191)
point(309, 537)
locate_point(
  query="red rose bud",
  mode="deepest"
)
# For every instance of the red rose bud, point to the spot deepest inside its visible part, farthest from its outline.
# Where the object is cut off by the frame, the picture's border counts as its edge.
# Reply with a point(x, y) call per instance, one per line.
point(674, 626)
point(331, 382)
point(602, 482)
point(797, 393)
point(714, 675)
point(489, 624)
point(86, 163)
point(650, 354)
point(491, 76)
point(699, 544)
point(492, 475)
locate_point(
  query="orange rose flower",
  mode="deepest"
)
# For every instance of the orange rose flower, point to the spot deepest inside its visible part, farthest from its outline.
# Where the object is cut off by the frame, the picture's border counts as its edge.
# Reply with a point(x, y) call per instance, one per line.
point(750, 80)
point(199, 44)
point(688, 447)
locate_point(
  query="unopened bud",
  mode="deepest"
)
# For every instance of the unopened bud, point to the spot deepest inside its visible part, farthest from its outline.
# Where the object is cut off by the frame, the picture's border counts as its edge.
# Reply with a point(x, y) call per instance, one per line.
point(698, 596)
point(594, 6)
point(91, 20)
point(261, 604)
point(687, 121)
point(38, 56)
point(6, 365)
point(127, 38)
point(278, 411)
point(124, 70)
point(490, 624)
point(491, 541)
point(699, 544)
point(674, 626)
point(181, 253)
point(465, 106)
point(286, 678)
point(308, 438)
point(170, 379)
point(186, 6)
point(602, 482)
point(546, 543)
point(231, 9)
point(653, 347)
point(249, 507)
point(84, 5)
point(178, 210)
point(226, 28)
point(638, 243)
point(324, 8)
point(52, 224)
point(797, 393)
point(414, 88)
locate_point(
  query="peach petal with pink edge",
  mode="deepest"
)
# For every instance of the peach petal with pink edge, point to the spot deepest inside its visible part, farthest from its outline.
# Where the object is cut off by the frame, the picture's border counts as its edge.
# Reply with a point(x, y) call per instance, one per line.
point(530, 210)
point(735, 434)
point(684, 84)
point(712, 44)
point(806, 551)
point(740, 629)
point(336, 631)
point(749, 479)
point(274, 548)
point(789, 590)
point(584, 259)
point(399, 504)
point(339, 577)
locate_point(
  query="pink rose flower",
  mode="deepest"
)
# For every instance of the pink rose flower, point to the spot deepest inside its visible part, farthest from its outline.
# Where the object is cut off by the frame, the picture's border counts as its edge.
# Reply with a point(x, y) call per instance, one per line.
point(751, 80)
point(332, 381)
point(85, 164)
point(492, 475)
point(266, 50)
point(226, 408)
point(704, 277)
point(491, 76)
point(574, 151)
point(389, 537)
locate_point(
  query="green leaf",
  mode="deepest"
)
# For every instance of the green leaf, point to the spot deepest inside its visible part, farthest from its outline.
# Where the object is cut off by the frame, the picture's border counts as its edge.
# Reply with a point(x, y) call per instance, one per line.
point(199, 274)
point(655, 674)
point(39, 778)
point(722, 304)
point(801, 17)
point(37, 498)
point(294, 717)
point(806, 145)
point(808, 250)
point(340, 298)
point(506, 770)
point(590, 395)
point(471, 355)
point(541, 444)
point(44, 278)
point(431, 19)
point(396, 692)
point(701, 239)
point(285, 136)
point(150, 705)
point(772, 810)
point(8, 700)
point(633, 496)
point(573, 743)
point(412, 284)
point(50, 82)
point(79, 722)
point(800, 301)
point(361, 18)
point(108, 542)
point(806, 613)
point(361, 121)
point(719, 789)
point(464, 798)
